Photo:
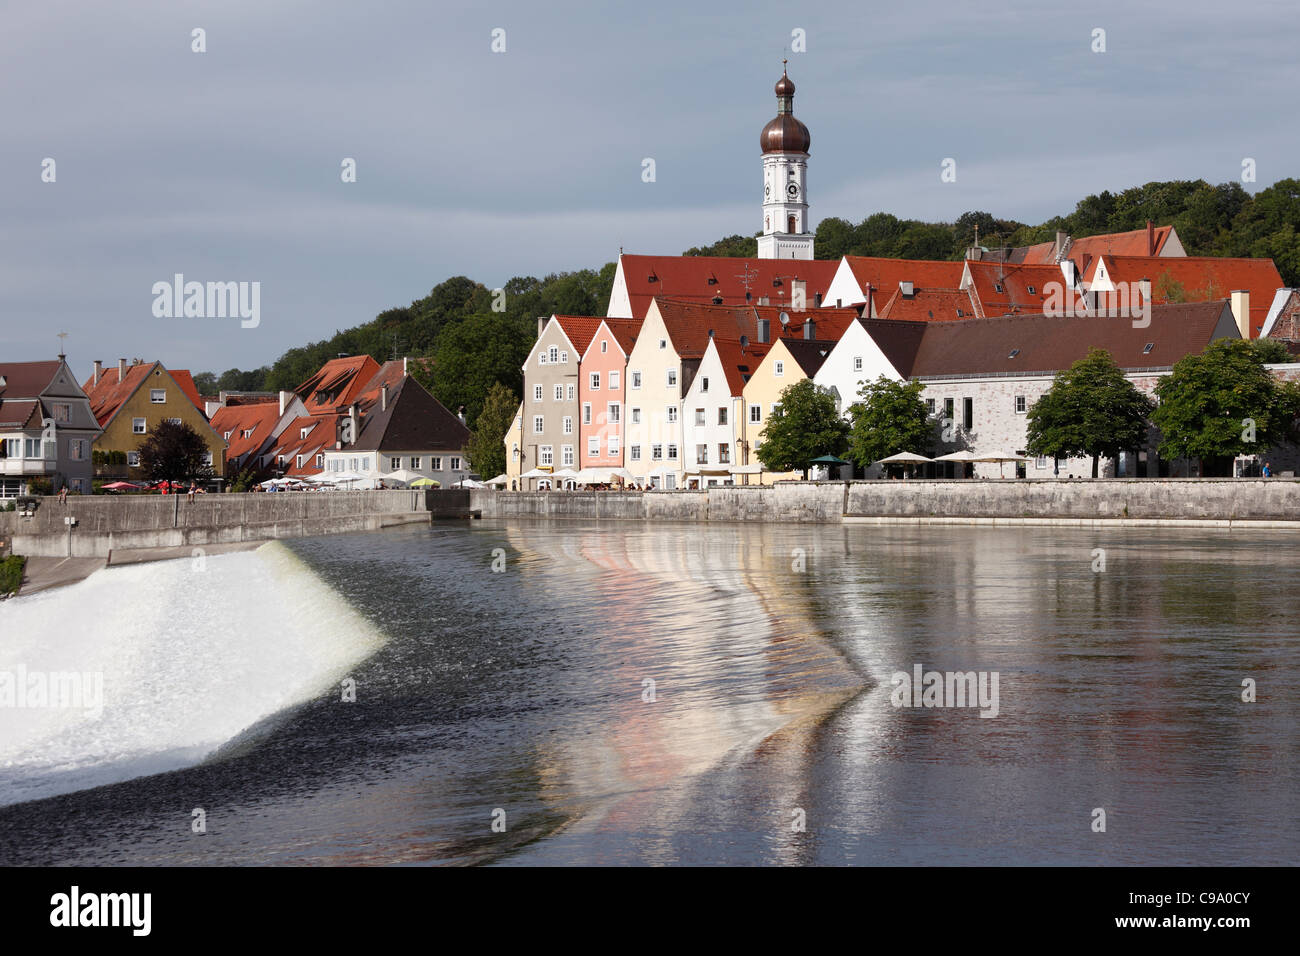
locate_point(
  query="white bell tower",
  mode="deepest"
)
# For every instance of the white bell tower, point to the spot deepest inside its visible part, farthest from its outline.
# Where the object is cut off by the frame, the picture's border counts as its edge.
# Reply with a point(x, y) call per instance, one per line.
point(785, 143)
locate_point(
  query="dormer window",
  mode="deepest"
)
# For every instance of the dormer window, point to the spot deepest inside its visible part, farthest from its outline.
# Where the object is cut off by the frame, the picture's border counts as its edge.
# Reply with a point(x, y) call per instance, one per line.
point(1146, 350)
point(1031, 290)
point(1014, 353)
point(997, 287)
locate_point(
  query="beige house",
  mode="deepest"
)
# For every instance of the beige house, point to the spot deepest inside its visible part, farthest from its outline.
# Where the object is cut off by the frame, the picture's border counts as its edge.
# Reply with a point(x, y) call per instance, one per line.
point(551, 409)
point(790, 360)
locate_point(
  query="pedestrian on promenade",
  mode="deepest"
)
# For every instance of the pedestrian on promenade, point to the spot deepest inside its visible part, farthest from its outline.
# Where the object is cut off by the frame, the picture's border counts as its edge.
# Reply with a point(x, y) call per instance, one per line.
point(63, 494)
point(190, 494)
point(1268, 470)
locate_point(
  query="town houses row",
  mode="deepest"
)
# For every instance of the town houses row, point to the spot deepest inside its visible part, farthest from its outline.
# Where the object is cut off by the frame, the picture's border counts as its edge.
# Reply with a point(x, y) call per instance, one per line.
point(353, 418)
point(674, 387)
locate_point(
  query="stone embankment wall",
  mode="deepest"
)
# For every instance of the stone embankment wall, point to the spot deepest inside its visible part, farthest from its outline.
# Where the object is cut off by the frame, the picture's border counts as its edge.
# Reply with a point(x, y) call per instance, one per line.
point(1206, 500)
point(105, 524)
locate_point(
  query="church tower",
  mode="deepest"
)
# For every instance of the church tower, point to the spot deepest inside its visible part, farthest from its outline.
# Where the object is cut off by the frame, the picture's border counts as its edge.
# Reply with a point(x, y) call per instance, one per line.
point(785, 143)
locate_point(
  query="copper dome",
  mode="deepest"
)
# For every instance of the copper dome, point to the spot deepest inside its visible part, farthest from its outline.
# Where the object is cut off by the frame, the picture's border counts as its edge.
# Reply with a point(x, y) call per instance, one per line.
point(785, 86)
point(785, 134)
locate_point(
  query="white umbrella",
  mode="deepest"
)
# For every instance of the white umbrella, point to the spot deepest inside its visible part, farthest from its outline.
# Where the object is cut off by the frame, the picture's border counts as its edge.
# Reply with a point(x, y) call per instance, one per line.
point(965, 456)
point(469, 483)
point(536, 473)
point(403, 475)
point(498, 480)
point(904, 458)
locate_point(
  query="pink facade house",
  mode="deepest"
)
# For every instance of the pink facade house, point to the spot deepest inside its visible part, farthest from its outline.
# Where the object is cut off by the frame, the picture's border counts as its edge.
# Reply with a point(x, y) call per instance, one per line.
point(602, 390)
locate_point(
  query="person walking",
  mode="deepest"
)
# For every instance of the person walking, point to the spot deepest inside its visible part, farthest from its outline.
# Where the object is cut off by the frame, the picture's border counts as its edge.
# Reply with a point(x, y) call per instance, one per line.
point(1268, 470)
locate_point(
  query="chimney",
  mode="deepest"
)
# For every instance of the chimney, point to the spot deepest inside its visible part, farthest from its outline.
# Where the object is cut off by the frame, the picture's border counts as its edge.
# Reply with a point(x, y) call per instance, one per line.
point(460, 413)
point(285, 398)
point(1241, 311)
point(764, 300)
point(541, 324)
point(799, 294)
point(99, 370)
point(870, 311)
point(1144, 292)
point(764, 330)
point(352, 415)
point(744, 341)
point(404, 372)
point(809, 329)
point(121, 370)
point(383, 397)
point(817, 297)
point(1151, 239)
point(1058, 247)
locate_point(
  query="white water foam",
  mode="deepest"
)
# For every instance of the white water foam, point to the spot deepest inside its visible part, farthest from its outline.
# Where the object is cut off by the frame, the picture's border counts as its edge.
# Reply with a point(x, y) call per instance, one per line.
point(192, 654)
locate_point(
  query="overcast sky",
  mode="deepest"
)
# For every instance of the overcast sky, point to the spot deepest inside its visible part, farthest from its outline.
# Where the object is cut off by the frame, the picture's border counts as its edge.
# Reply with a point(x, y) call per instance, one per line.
point(225, 165)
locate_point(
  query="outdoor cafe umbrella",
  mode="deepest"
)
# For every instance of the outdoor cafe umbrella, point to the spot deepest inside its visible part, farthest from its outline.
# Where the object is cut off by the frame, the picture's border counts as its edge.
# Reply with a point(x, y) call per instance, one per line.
point(425, 483)
point(905, 458)
point(501, 480)
point(403, 476)
point(121, 486)
point(830, 461)
point(962, 457)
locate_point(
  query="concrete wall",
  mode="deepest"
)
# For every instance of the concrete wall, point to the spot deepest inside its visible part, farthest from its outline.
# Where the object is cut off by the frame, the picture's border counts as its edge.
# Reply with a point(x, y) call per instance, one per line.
point(107, 524)
point(1179, 499)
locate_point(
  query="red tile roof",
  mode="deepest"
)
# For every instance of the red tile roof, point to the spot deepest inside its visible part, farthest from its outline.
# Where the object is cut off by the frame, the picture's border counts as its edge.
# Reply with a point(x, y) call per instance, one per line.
point(1117, 244)
point(337, 384)
point(1003, 288)
point(884, 275)
point(1203, 279)
point(580, 329)
point(625, 332)
point(109, 395)
point(689, 323)
point(700, 279)
point(186, 383)
point(26, 379)
point(236, 419)
point(738, 362)
point(927, 305)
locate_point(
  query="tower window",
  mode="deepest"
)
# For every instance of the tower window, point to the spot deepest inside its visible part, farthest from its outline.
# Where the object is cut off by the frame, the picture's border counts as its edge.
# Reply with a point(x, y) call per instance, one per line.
point(791, 222)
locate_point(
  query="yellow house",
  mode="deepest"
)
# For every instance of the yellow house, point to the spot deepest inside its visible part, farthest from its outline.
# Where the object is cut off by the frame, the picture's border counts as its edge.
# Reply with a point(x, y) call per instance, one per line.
point(130, 400)
point(790, 360)
point(516, 453)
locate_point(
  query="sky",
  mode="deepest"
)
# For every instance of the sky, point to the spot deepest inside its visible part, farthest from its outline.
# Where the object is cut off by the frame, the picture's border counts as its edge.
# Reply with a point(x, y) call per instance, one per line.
point(227, 165)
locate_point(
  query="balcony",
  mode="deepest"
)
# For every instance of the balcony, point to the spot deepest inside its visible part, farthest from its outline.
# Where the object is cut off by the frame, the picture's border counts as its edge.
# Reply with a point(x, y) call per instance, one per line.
point(28, 466)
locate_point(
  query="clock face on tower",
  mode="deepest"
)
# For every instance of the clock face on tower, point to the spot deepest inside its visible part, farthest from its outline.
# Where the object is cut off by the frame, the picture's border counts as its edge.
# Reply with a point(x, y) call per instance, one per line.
point(792, 190)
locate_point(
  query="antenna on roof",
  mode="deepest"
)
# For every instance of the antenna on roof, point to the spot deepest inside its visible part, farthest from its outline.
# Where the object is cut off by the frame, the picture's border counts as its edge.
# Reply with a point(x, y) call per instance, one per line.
point(785, 318)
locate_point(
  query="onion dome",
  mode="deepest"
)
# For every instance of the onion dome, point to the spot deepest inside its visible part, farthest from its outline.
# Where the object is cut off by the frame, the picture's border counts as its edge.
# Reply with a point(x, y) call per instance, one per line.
point(785, 134)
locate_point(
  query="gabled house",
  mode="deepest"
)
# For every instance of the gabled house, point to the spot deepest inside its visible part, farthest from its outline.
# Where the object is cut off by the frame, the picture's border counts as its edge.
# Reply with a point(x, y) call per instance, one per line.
point(713, 428)
point(551, 406)
point(250, 426)
point(856, 276)
point(602, 388)
point(868, 349)
point(789, 361)
point(130, 400)
point(47, 429)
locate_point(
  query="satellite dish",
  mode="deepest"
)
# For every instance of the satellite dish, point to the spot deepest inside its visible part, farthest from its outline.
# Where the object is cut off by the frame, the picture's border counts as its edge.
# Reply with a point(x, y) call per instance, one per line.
point(785, 318)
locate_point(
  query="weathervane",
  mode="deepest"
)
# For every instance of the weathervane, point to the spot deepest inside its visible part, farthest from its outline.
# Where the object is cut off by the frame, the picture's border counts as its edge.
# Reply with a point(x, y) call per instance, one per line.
point(62, 353)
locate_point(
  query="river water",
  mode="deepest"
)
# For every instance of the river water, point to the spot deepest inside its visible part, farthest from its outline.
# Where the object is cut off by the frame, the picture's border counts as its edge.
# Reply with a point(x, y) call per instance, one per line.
point(556, 692)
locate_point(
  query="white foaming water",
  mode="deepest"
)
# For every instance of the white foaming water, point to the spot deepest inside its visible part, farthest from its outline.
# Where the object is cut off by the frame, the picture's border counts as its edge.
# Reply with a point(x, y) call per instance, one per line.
point(191, 654)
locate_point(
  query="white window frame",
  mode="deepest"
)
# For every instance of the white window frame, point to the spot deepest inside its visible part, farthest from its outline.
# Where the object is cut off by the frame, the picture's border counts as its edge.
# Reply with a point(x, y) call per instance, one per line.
point(157, 396)
point(139, 426)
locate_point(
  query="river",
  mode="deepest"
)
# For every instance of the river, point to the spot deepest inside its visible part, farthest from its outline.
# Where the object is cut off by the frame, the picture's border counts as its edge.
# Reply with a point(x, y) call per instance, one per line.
point(533, 691)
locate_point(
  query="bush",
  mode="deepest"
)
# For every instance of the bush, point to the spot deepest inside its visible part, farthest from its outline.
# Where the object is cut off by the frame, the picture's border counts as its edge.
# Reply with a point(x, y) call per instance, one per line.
point(11, 573)
point(40, 486)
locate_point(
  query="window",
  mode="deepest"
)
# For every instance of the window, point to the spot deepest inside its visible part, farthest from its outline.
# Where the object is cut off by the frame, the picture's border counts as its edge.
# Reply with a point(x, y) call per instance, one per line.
point(586, 413)
point(656, 452)
point(1030, 289)
point(158, 396)
point(997, 287)
point(248, 433)
point(137, 426)
point(559, 393)
point(701, 454)
point(612, 413)
point(1014, 353)
point(174, 421)
point(612, 442)
point(636, 416)
point(62, 413)
point(636, 379)
point(672, 414)
point(33, 449)
point(226, 436)
point(133, 459)
point(968, 412)
point(604, 347)
point(415, 462)
point(537, 393)
point(554, 354)
point(857, 363)
point(455, 463)
point(566, 455)
point(568, 424)
point(564, 356)
point(704, 384)
point(77, 449)
point(775, 406)
point(1040, 462)
point(699, 416)
point(672, 378)
point(297, 461)
point(948, 409)
point(12, 447)
point(595, 381)
point(593, 445)
point(546, 455)
point(672, 452)
point(302, 433)
point(572, 392)
point(394, 464)
point(663, 343)
point(779, 369)
point(541, 359)
point(635, 453)
point(722, 415)
point(1146, 349)
point(756, 414)
point(435, 463)
point(724, 453)
point(537, 424)
point(1020, 404)
point(613, 381)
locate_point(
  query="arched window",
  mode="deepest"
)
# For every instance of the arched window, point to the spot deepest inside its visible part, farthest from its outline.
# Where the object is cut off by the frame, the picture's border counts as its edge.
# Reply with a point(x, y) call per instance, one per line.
point(791, 229)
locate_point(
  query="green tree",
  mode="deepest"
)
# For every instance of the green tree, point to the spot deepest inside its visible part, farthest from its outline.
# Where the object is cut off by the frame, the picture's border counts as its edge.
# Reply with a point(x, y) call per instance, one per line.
point(174, 451)
point(737, 245)
point(1091, 410)
point(1221, 403)
point(805, 425)
point(1271, 351)
point(889, 418)
point(486, 451)
point(472, 354)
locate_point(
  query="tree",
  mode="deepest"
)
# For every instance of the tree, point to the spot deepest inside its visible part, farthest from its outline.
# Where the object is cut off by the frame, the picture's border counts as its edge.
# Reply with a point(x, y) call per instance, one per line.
point(1222, 403)
point(472, 354)
point(742, 246)
point(174, 451)
point(805, 425)
point(1091, 410)
point(1271, 351)
point(888, 418)
point(486, 453)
